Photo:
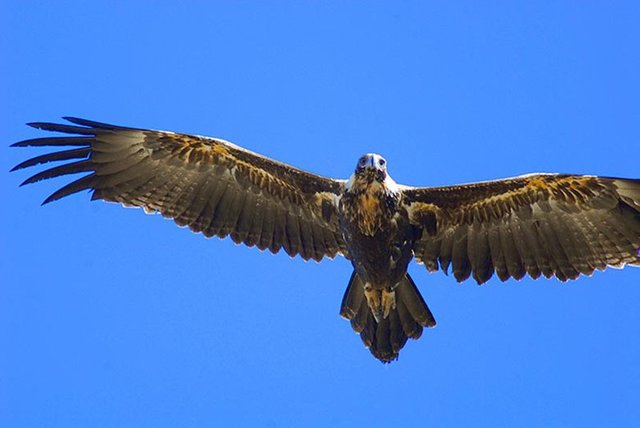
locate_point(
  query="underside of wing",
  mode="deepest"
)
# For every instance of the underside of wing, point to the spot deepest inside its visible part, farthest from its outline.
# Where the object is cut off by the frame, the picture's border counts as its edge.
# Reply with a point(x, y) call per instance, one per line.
point(207, 184)
point(540, 224)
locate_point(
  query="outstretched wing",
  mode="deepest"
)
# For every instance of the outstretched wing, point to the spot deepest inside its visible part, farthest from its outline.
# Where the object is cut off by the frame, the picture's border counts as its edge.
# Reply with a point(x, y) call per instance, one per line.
point(208, 184)
point(549, 224)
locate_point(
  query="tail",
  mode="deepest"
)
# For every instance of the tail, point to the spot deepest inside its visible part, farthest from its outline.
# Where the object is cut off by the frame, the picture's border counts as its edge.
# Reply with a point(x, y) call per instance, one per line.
point(386, 338)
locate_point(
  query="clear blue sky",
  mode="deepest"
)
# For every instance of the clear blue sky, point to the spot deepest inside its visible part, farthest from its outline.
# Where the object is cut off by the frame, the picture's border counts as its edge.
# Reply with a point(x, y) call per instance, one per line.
point(113, 318)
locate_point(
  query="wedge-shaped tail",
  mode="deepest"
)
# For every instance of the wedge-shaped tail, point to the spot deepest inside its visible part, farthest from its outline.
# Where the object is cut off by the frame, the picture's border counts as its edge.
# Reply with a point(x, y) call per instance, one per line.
point(386, 338)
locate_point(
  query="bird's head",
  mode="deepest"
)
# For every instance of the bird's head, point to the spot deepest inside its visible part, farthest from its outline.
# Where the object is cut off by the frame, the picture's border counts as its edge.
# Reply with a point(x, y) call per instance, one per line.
point(371, 167)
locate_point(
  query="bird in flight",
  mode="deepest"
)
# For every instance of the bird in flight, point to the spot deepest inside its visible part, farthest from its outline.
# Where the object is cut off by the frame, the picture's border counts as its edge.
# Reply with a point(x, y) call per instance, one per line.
point(558, 225)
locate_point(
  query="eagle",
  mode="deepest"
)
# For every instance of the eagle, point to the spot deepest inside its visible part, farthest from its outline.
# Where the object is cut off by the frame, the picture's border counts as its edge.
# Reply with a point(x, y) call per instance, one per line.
point(561, 225)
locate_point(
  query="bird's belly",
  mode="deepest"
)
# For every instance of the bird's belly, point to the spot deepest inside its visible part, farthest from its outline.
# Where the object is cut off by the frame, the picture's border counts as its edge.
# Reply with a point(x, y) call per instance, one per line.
point(378, 236)
point(381, 260)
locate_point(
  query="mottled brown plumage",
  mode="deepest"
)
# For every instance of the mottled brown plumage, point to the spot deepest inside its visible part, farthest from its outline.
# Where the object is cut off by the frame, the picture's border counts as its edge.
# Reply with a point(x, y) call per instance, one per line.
point(541, 224)
point(208, 184)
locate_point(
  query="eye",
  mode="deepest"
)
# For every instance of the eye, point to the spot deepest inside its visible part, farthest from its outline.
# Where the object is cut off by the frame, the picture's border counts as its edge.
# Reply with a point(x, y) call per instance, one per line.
point(362, 161)
point(381, 162)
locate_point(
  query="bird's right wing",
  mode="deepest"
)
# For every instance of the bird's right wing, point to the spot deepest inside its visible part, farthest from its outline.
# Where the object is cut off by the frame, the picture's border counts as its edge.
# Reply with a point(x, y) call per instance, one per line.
point(208, 184)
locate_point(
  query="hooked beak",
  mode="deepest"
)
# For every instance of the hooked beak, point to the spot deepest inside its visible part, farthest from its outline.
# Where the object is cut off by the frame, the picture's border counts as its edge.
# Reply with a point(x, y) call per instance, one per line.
point(370, 163)
point(371, 167)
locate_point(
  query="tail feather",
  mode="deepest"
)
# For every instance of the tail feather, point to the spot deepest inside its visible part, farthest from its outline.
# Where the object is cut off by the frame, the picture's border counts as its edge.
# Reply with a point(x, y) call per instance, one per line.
point(397, 335)
point(387, 337)
point(361, 318)
point(409, 325)
point(408, 293)
point(353, 298)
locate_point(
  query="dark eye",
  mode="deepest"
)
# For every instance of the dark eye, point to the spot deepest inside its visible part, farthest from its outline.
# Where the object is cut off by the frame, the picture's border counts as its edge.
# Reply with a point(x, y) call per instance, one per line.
point(382, 162)
point(363, 161)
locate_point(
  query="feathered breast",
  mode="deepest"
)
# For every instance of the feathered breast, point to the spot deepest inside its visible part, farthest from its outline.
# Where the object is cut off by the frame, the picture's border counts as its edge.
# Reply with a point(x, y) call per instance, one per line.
point(367, 207)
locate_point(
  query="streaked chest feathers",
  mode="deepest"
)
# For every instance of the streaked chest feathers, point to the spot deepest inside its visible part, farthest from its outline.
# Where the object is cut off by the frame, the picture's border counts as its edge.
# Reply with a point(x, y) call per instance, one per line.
point(369, 207)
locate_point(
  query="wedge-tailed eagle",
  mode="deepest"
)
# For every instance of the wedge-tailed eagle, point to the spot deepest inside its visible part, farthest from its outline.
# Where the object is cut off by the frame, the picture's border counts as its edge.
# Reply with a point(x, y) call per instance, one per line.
point(558, 225)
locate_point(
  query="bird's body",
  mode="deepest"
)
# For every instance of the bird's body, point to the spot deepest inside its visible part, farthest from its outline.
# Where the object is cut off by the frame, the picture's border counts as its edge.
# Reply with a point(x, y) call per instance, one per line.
point(541, 224)
point(376, 232)
point(380, 239)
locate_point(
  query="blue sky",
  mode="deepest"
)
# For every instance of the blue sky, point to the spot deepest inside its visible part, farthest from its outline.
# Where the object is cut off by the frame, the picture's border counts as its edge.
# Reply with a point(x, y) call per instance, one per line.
point(110, 317)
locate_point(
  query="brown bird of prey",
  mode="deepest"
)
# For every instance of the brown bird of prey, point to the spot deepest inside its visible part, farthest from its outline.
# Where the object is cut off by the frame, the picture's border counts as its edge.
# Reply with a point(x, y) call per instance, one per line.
point(558, 225)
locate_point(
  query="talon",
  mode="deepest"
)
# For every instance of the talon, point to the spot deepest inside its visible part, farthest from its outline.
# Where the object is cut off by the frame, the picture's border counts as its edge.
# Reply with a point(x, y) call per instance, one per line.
point(374, 300)
point(388, 301)
point(381, 302)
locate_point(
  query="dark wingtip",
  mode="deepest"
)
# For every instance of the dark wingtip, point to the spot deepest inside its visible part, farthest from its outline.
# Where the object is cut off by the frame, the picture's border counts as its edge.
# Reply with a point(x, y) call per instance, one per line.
point(59, 127)
point(22, 165)
point(78, 121)
point(49, 126)
point(38, 125)
point(29, 180)
point(92, 123)
point(80, 153)
point(50, 198)
point(60, 170)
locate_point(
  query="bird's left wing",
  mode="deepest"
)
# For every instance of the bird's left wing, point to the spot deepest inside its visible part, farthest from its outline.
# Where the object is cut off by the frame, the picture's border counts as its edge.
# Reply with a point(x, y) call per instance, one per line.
point(207, 184)
point(549, 224)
